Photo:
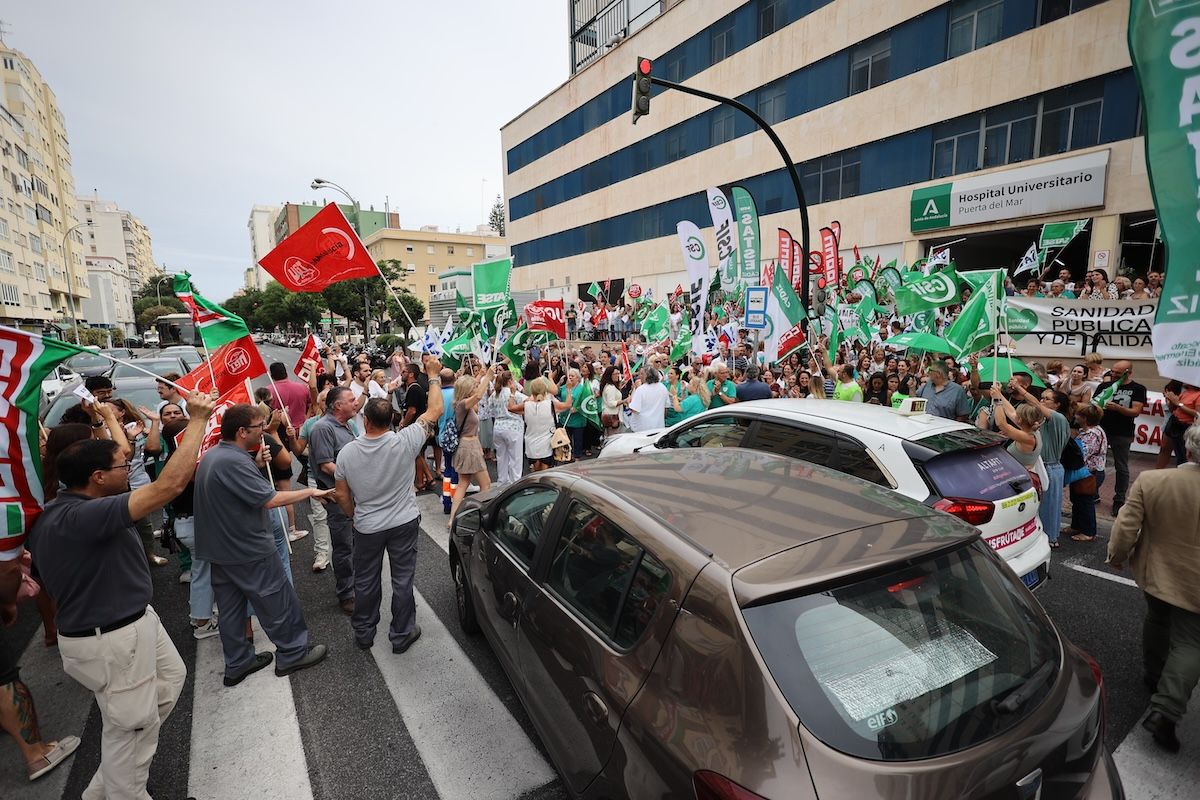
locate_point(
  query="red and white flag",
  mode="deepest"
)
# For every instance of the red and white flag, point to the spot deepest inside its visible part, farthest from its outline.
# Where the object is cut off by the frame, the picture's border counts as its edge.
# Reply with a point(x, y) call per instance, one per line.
point(546, 315)
point(238, 393)
point(310, 362)
point(324, 250)
point(229, 366)
point(600, 315)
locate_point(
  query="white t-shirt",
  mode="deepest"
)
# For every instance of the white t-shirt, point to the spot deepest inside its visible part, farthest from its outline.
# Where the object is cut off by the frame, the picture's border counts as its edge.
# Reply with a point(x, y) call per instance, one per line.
point(649, 404)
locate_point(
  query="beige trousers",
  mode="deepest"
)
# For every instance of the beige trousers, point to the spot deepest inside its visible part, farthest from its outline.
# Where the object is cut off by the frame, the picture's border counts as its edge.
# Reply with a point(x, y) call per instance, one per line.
point(136, 675)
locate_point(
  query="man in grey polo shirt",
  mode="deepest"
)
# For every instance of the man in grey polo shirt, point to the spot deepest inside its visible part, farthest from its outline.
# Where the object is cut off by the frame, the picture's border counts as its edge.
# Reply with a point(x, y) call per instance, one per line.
point(943, 397)
point(92, 563)
point(329, 435)
point(374, 477)
point(232, 500)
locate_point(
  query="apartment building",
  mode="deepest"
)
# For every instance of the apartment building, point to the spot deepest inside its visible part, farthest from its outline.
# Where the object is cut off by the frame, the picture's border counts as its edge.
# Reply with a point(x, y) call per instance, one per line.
point(905, 121)
point(111, 302)
point(43, 280)
point(261, 227)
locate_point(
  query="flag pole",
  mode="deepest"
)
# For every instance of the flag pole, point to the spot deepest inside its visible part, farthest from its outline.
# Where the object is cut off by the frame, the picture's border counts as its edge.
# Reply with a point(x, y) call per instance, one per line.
point(396, 297)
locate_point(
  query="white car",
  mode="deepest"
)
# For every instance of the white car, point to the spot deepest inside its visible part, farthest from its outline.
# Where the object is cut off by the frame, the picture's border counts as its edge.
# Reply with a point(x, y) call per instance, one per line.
point(53, 383)
point(949, 465)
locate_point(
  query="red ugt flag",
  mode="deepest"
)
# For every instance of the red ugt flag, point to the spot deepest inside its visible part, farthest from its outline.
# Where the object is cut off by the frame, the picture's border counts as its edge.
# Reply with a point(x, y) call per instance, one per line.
point(546, 315)
point(231, 365)
point(310, 359)
point(324, 250)
point(238, 393)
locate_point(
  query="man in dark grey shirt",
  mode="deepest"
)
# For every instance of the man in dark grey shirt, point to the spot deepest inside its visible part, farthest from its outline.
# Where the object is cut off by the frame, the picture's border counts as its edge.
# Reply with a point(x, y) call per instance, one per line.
point(92, 563)
point(234, 535)
point(329, 435)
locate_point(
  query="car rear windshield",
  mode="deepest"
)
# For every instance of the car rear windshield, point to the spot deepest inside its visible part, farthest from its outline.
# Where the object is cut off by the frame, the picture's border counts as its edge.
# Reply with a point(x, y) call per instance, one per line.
point(160, 367)
point(912, 664)
point(86, 361)
point(986, 474)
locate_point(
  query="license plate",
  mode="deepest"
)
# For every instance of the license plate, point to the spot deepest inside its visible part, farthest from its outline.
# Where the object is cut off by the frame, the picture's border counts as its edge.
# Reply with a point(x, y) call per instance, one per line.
point(1031, 579)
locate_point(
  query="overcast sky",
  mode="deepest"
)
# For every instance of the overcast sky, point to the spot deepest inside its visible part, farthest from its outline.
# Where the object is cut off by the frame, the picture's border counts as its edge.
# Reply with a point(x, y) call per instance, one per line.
point(187, 114)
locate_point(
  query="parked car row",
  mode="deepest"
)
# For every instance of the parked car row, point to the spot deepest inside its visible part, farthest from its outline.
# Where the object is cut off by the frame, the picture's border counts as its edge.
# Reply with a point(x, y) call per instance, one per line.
point(785, 599)
point(279, 339)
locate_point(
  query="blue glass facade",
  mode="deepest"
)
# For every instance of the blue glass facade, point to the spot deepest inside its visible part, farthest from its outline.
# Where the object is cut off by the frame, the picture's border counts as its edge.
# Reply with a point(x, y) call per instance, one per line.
point(915, 45)
point(1099, 111)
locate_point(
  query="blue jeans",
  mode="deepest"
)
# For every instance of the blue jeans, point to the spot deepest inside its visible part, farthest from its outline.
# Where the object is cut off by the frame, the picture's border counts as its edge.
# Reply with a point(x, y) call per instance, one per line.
point(200, 589)
point(1050, 510)
point(278, 516)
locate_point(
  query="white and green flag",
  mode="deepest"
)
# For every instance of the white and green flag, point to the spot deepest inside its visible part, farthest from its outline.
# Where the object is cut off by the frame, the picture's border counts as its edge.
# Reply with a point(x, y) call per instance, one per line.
point(977, 325)
point(490, 280)
point(25, 361)
point(1060, 234)
point(656, 325)
point(1164, 42)
point(726, 233)
point(1031, 261)
point(787, 317)
point(920, 293)
point(746, 216)
point(695, 258)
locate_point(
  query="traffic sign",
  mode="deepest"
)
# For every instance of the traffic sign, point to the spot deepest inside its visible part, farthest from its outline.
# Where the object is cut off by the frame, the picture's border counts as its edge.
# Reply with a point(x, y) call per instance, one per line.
point(756, 307)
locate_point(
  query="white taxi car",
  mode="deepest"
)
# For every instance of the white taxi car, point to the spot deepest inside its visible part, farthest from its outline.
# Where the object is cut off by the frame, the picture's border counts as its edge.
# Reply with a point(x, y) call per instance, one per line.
point(949, 465)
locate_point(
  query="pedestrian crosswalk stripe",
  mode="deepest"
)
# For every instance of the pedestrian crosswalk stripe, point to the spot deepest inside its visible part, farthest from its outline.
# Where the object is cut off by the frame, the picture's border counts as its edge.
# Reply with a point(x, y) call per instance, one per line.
point(245, 736)
point(468, 740)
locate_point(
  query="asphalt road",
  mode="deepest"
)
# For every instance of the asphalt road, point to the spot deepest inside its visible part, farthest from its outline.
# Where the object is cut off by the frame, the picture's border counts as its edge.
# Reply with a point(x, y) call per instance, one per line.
point(442, 720)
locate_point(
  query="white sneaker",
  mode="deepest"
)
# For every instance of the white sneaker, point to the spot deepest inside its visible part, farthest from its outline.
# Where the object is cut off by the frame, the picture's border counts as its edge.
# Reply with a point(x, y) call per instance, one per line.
point(297, 534)
point(321, 564)
point(206, 631)
point(185, 577)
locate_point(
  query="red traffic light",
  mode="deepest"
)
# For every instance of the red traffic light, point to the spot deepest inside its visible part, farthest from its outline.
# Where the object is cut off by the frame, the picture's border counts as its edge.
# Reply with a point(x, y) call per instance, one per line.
point(644, 66)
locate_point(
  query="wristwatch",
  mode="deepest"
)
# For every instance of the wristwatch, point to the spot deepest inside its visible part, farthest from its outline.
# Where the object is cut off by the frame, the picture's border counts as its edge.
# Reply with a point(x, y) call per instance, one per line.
point(97, 424)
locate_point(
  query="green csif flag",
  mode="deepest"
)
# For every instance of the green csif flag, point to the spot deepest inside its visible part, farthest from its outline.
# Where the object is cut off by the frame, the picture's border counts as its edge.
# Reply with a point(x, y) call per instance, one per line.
point(656, 326)
point(1060, 234)
point(920, 293)
point(490, 280)
point(977, 325)
point(745, 216)
point(216, 325)
point(1164, 43)
point(457, 348)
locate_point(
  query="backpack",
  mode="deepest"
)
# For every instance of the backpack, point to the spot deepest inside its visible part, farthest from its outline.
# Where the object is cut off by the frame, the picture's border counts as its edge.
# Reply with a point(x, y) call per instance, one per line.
point(448, 438)
point(1072, 455)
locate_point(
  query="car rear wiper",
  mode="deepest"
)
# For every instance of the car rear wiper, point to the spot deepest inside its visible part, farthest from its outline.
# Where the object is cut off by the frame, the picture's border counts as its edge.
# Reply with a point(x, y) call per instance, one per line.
point(1021, 695)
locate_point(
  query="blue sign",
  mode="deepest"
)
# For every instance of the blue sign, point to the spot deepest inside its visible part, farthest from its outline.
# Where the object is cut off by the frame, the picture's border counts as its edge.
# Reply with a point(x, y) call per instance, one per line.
point(756, 308)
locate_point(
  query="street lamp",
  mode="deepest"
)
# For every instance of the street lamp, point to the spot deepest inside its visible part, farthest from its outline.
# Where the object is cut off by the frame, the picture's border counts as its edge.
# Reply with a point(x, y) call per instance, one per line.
point(158, 286)
point(319, 184)
point(71, 275)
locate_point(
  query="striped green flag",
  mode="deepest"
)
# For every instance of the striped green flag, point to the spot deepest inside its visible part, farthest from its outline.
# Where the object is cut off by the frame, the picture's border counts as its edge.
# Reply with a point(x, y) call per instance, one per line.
point(216, 325)
point(1105, 397)
point(26, 361)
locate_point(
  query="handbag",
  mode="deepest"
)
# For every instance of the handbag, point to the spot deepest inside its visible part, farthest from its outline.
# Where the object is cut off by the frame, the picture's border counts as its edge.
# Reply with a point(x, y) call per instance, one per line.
point(610, 421)
point(1085, 487)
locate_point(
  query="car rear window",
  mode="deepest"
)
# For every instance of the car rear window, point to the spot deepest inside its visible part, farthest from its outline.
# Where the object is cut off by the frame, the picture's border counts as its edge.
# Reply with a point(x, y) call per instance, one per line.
point(158, 367)
point(989, 473)
point(911, 664)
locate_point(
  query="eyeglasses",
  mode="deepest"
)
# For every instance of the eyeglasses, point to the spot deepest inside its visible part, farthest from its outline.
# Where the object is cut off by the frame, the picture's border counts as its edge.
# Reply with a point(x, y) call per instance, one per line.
point(128, 465)
point(255, 425)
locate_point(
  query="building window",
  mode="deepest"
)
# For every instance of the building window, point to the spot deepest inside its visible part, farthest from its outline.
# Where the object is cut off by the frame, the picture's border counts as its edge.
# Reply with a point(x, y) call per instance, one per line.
point(957, 153)
point(9, 63)
point(834, 177)
point(772, 102)
point(1069, 127)
point(39, 271)
point(45, 300)
point(722, 39)
point(22, 158)
point(722, 125)
point(449, 249)
point(1057, 9)
point(769, 17)
point(408, 248)
point(677, 143)
point(7, 263)
point(432, 288)
point(1010, 133)
point(552, 283)
point(429, 249)
point(870, 64)
point(35, 243)
point(676, 68)
point(432, 269)
point(30, 215)
point(470, 251)
point(4, 229)
point(974, 24)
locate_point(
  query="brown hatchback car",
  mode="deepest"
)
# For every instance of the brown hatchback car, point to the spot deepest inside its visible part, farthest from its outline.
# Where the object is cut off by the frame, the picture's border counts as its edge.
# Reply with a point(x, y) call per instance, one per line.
point(736, 624)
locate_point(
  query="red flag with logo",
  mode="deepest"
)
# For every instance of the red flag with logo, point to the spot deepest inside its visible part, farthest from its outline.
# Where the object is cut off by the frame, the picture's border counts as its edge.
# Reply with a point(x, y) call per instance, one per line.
point(785, 254)
point(228, 366)
point(324, 250)
point(310, 362)
point(546, 315)
point(600, 315)
point(797, 265)
point(238, 393)
point(829, 254)
point(625, 361)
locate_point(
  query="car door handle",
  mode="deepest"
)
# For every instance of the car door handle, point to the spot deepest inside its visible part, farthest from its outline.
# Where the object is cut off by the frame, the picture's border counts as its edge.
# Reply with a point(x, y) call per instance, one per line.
point(508, 606)
point(596, 709)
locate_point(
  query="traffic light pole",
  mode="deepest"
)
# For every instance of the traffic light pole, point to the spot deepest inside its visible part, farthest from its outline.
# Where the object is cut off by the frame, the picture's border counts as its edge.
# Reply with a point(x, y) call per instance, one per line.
point(783, 153)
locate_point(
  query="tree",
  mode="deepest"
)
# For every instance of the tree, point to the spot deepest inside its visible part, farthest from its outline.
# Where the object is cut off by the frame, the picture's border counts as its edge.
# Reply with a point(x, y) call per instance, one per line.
point(415, 308)
point(496, 216)
point(246, 306)
point(149, 314)
point(170, 301)
point(350, 298)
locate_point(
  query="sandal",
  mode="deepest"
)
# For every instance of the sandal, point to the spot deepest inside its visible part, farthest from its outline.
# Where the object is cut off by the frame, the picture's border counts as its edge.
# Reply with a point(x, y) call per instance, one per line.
point(58, 753)
point(1080, 537)
point(1055, 545)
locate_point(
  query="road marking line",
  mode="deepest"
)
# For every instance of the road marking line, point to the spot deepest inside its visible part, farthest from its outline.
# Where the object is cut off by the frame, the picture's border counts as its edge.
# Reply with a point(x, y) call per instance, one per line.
point(468, 740)
point(246, 738)
point(1108, 576)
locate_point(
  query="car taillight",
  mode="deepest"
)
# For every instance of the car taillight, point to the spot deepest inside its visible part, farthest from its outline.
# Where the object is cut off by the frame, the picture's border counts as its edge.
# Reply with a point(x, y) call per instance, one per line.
point(976, 512)
point(712, 786)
